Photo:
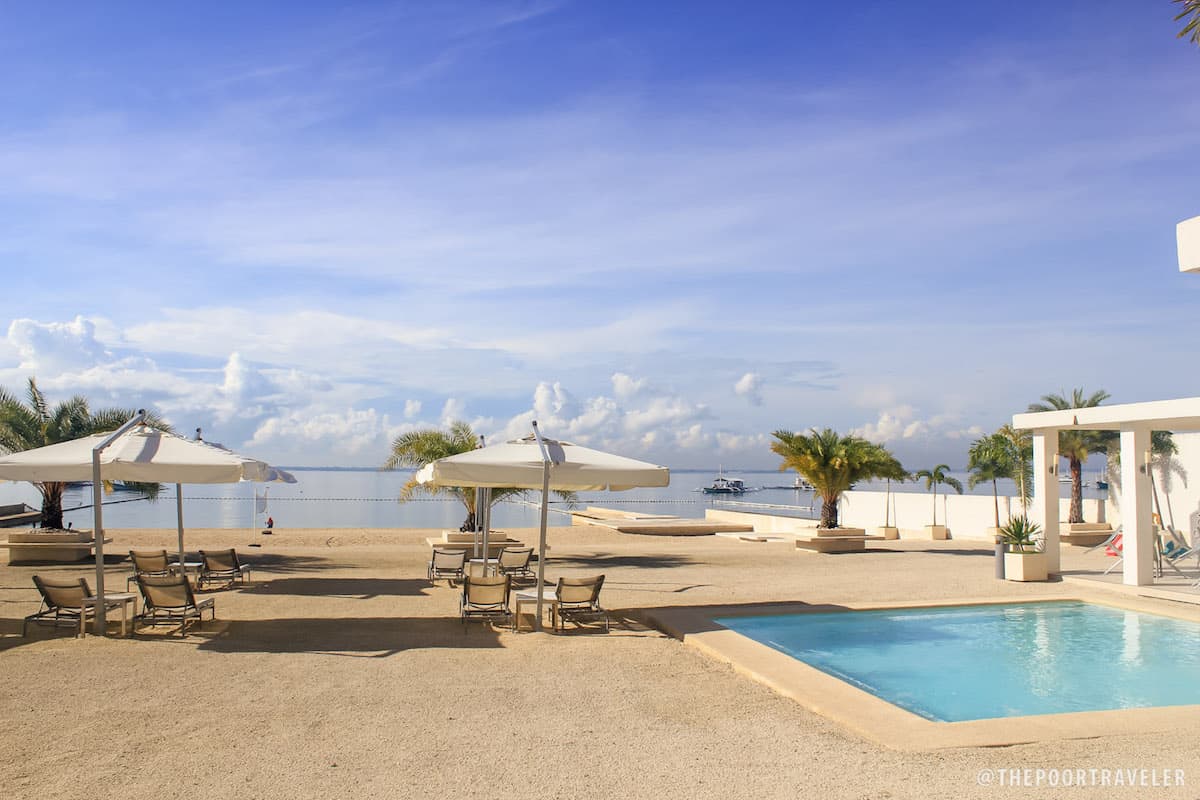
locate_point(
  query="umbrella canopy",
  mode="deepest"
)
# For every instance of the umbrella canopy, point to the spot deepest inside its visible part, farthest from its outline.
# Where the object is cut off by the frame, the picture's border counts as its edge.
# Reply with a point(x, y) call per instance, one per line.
point(518, 464)
point(142, 454)
point(536, 462)
point(135, 452)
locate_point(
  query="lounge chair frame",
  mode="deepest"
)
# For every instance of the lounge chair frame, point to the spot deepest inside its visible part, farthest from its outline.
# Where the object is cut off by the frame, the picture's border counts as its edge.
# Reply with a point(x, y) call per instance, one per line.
point(151, 563)
point(514, 561)
point(450, 564)
point(485, 598)
point(221, 566)
point(169, 599)
point(69, 601)
point(579, 601)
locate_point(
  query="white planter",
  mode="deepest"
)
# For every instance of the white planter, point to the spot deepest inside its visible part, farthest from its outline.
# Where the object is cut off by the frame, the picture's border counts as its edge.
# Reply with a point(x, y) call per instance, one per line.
point(1025, 567)
point(938, 532)
point(888, 532)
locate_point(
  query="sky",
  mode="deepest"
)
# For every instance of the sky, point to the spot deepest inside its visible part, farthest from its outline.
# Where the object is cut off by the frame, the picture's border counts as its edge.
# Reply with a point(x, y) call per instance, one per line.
point(665, 230)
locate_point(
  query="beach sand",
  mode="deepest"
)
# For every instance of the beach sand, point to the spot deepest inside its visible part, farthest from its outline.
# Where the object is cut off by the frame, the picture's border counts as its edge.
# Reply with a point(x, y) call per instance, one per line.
point(340, 672)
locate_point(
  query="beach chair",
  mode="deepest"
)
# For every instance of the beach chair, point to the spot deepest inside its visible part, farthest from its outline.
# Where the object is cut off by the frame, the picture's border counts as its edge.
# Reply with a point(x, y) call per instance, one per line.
point(485, 598)
point(68, 600)
point(514, 561)
point(170, 599)
point(151, 563)
point(221, 566)
point(448, 564)
point(579, 601)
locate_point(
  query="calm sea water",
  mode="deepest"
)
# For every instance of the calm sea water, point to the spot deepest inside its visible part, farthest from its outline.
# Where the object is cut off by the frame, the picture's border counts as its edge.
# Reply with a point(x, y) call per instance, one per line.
point(325, 498)
point(996, 661)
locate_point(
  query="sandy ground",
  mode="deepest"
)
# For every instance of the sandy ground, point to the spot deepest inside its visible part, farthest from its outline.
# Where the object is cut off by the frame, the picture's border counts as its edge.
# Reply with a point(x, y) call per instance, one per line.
point(340, 672)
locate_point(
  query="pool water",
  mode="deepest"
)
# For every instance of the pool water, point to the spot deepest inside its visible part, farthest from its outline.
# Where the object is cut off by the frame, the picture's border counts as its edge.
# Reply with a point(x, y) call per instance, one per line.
point(981, 662)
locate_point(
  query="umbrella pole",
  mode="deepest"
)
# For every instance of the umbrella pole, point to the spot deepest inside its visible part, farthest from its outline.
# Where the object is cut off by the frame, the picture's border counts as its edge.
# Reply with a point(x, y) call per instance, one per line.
point(100, 615)
point(179, 526)
point(482, 513)
point(542, 542)
point(541, 582)
point(101, 618)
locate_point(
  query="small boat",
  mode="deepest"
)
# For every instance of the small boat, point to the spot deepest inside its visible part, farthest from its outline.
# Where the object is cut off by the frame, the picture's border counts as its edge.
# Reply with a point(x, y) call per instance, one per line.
point(1101, 483)
point(723, 485)
point(802, 485)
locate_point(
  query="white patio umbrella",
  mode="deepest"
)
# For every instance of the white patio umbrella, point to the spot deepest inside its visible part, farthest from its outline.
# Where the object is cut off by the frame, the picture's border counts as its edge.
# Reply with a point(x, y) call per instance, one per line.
point(539, 463)
point(134, 452)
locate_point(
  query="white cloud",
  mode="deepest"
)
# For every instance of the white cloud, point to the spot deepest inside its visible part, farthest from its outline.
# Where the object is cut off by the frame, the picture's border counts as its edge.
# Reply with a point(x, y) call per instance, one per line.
point(412, 408)
point(452, 410)
point(56, 346)
point(625, 387)
point(750, 386)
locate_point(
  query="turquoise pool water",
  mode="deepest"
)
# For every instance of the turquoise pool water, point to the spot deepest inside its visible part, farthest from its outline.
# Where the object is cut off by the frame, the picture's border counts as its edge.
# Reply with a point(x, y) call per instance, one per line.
point(981, 662)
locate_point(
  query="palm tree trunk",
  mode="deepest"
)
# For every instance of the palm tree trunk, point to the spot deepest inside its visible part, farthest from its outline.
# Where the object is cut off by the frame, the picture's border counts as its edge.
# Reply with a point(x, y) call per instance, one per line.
point(52, 510)
point(996, 501)
point(829, 512)
point(1076, 514)
point(935, 504)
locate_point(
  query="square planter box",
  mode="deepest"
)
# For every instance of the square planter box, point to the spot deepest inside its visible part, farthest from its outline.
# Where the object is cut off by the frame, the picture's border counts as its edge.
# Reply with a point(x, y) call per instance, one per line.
point(938, 532)
point(1025, 567)
point(888, 532)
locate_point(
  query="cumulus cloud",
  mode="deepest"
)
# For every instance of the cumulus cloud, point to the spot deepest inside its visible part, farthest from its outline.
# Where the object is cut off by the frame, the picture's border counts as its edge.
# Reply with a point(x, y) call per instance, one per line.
point(56, 346)
point(412, 408)
point(347, 433)
point(749, 386)
point(902, 423)
point(453, 409)
point(625, 387)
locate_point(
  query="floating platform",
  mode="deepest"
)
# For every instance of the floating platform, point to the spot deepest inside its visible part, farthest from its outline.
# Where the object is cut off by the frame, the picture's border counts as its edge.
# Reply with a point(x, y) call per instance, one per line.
point(15, 515)
point(654, 524)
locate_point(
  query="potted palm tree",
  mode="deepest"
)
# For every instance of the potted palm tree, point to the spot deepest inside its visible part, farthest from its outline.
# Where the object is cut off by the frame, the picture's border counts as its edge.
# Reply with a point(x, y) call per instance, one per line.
point(1024, 557)
point(832, 463)
point(933, 478)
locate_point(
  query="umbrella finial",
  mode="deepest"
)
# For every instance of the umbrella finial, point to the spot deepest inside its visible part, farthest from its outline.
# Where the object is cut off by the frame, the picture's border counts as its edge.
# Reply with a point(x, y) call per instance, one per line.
point(198, 437)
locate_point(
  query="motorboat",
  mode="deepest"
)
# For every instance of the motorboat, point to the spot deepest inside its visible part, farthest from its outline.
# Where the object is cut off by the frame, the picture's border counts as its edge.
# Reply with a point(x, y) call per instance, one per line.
point(723, 485)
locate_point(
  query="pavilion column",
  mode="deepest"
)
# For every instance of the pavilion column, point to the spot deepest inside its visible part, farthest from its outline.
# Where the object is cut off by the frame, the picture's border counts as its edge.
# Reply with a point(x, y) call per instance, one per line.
point(1045, 508)
point(1137, 524)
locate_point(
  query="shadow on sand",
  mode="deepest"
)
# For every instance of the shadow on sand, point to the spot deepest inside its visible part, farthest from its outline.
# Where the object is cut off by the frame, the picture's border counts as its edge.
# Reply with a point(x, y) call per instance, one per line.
point(373, 637)
point(357, 588)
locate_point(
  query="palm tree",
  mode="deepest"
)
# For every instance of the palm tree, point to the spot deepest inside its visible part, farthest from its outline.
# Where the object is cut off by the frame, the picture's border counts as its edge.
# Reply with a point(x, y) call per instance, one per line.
point(1020, 447)
point(1191, 13)
point(415, 449)
point(832, 463)
point(938, 475)
point(990, 459)
point(1076, 445)
point(33, 423)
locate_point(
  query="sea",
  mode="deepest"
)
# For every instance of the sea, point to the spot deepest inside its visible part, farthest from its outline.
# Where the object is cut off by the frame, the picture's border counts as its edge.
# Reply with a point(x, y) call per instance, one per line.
point(369, 498)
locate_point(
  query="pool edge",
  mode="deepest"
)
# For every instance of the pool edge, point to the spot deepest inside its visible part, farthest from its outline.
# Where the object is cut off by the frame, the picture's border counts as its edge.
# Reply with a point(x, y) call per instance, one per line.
point(883, 723)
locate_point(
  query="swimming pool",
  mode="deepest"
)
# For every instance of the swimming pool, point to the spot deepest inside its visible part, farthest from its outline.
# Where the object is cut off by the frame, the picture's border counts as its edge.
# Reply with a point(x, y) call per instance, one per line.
point(958, 663)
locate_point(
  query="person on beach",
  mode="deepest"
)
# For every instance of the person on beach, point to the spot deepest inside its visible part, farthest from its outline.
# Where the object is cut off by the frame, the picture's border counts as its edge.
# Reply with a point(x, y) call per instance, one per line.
point(270, 522)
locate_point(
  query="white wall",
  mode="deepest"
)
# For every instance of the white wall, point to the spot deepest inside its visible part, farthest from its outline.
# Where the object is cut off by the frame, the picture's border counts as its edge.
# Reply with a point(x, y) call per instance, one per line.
point(968, 516)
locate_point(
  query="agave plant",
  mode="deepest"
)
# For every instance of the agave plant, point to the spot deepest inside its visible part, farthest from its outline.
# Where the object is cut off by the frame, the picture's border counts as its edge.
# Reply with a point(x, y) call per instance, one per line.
point(1020, 534)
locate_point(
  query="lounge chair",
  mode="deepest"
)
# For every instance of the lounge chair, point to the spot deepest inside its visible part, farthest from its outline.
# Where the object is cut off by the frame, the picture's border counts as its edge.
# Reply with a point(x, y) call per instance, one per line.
point(170, 599)
point(68, 600)
point(221, 566)
point(152, 564)
point(514, 561)
point(579, 600)
point(448, 564)
point(485, 598)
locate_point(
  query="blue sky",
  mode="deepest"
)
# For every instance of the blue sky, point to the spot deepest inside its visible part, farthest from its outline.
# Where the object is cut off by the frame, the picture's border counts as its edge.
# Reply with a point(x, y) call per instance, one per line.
point(661, 229)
